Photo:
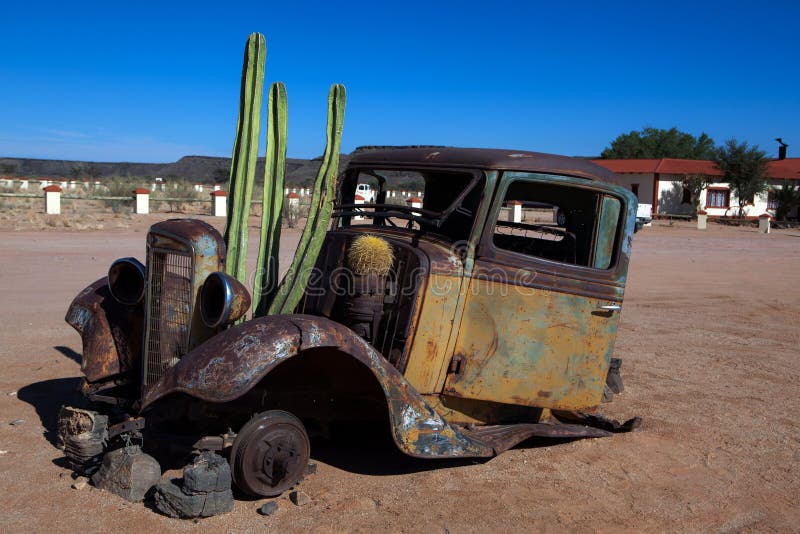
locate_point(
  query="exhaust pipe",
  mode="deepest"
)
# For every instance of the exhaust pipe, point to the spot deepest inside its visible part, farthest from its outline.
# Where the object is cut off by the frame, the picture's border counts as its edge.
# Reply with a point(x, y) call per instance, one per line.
point(126, 281)
point(223, 300)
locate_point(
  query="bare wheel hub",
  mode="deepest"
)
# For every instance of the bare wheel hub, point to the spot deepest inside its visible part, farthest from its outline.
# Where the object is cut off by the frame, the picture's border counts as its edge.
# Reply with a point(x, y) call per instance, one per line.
point(270, 454)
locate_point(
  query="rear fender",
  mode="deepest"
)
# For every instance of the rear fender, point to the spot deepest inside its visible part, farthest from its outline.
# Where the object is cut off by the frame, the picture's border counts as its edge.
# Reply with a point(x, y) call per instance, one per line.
point(231, 363)
point(111, 332)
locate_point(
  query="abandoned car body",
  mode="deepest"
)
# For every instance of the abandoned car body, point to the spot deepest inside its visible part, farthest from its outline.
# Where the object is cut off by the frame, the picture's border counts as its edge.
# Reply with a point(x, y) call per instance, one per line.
point(495, 322)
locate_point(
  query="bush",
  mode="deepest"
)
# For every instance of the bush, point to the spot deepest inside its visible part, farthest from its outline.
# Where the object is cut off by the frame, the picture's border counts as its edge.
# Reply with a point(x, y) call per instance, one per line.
point(291, 214)
point(118, 188)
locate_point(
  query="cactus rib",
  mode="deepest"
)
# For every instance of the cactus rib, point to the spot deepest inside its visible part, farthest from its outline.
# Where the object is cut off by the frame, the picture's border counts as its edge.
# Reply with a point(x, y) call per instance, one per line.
point(292, 287)
point(245, 154)
point(266, 280)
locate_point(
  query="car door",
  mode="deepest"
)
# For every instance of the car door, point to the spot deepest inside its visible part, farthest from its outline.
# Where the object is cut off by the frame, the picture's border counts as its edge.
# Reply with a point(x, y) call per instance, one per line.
point(541, 312)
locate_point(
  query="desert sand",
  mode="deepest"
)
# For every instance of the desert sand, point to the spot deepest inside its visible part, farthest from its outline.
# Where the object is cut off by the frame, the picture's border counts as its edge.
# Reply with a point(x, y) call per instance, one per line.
point(709, 338)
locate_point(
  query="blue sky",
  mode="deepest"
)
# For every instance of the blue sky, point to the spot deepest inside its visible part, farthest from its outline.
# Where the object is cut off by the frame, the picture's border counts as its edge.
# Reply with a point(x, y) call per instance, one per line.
point(117, 81)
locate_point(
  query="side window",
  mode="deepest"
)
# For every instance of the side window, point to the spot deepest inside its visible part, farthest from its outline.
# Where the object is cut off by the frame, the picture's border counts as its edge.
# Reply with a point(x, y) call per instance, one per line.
point(560, 223)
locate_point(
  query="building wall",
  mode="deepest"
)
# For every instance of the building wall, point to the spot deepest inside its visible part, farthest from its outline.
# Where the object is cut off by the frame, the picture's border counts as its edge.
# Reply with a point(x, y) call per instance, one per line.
point(671, 194)
point(645, 182)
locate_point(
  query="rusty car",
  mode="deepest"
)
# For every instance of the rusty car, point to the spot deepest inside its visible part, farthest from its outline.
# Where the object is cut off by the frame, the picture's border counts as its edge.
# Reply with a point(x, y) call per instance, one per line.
point(495, 322)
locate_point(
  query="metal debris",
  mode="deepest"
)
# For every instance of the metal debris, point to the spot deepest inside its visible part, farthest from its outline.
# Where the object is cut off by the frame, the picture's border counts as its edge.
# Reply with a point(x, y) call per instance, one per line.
point(83, 435)
point(16, 422)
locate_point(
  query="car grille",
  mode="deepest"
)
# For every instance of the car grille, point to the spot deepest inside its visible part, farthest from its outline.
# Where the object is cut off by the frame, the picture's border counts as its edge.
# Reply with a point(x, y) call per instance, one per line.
point(169, 310)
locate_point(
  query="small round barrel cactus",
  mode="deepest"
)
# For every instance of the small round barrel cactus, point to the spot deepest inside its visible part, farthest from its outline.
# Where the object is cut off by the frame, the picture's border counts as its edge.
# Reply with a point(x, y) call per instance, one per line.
point(369, 254)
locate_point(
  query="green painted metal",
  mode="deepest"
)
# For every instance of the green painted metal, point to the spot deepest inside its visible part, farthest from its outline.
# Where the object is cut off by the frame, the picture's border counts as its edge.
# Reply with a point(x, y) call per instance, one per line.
point(607, 232)
point(266, 281)
point(245, 154)
point(293, 285)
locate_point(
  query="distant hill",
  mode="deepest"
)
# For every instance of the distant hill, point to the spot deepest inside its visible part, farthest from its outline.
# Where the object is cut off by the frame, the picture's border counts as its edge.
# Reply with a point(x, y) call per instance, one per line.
point(198, 169)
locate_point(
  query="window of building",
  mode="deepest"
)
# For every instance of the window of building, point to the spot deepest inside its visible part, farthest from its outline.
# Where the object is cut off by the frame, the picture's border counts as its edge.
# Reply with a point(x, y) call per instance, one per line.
point(718, 198)
point(635, 189)
point(772, 201)
point(686, 196)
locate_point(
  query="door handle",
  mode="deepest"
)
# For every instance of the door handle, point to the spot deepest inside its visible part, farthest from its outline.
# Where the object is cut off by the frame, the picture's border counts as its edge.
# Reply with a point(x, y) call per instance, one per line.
point(610, 307)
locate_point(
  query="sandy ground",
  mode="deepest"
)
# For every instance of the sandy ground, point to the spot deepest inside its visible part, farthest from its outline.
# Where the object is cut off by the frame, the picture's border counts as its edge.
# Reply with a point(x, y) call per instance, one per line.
point(709, 337)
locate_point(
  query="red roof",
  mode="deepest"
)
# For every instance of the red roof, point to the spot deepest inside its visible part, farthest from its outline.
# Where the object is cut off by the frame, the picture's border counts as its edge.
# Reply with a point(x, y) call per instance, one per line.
point(292, 195)
point(52, 189)
point(785, 168)
point(660, 166)
point(141, 191)
point(219, 193)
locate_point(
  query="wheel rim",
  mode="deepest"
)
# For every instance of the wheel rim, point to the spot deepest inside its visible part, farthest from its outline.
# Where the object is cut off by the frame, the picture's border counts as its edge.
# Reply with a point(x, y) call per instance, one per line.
point(270, 454)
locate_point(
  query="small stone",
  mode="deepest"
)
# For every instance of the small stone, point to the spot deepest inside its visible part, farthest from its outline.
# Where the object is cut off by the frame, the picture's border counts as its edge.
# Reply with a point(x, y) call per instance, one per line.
point(268, 508)
point(79, 484)
point(3, 452)
point(311, 468)
point(299, 498)
point(12, 394)
point(16, 422)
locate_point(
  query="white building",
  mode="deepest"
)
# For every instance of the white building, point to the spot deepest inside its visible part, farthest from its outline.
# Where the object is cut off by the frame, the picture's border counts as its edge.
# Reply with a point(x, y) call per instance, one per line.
point(660, 182)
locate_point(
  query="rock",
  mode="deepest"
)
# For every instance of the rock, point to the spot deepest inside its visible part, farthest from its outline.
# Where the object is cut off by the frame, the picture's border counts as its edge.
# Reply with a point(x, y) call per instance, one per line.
point(268, 508)
point(170, 499)
point(209, 472)
point(299, 498)
point(205, 489)
point(311, 468)
point(16, 422)
point(128, 472)
point(79, 484)
point(12, 394)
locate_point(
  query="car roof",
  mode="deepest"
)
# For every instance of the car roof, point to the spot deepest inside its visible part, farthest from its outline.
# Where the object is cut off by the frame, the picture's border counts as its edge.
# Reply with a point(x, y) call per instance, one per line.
point(483, 158)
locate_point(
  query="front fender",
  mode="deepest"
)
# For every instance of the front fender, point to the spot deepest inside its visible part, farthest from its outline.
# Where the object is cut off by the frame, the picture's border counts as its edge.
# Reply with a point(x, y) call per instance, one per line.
point(228, 365)
point(111, 332)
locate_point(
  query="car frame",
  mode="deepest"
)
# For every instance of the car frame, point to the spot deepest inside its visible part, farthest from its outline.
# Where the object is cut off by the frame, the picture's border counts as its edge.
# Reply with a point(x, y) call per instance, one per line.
point(487, 346)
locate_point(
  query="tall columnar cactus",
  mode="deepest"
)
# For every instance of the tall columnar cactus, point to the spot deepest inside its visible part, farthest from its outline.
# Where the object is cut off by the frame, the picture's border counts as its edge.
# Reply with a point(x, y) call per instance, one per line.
point(245, 154)
point(266, 281)
point(293, 285)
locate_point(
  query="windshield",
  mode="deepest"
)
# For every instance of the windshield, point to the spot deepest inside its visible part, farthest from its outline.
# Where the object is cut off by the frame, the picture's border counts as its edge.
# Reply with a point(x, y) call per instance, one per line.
point(441, 202)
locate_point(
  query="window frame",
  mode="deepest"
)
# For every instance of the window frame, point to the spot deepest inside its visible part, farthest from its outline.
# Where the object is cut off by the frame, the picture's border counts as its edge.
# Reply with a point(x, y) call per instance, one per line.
point(724, 190)
point(487, 250)
point(772, 202)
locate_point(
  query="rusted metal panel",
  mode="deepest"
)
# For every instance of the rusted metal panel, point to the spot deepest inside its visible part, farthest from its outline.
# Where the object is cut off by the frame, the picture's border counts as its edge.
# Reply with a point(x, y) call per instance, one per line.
point(432, 331)
point(532, 347)
point(483, 158)
point(111, 332)
point(230, 364)
point(503, 437)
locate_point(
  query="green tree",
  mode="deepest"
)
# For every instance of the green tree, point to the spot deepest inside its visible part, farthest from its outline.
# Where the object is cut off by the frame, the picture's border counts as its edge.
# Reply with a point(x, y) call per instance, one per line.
point(76, 171)
point(93, 171)
point(220, 175)
point(653, 143)
point(8, 168)
point(696, 184)
point(744, 168)
point(787, 197)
